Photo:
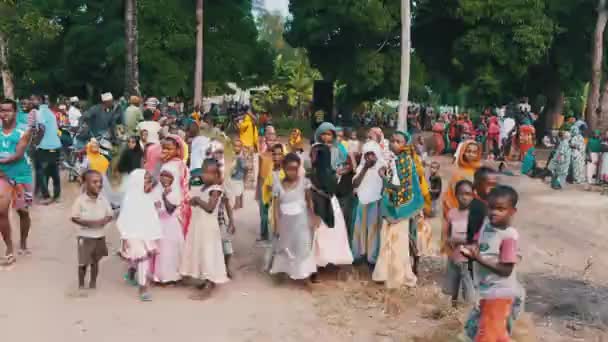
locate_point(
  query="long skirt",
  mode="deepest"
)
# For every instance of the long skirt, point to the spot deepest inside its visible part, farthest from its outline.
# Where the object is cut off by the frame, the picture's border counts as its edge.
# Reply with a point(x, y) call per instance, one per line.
point(603, 176)
point(365, 241)
point(294, 255)
point(330, 245)
point(439, 143)
point(592, 168)
point(138, 254)
point(170, 248)
point(394, 266)
point(578, 166)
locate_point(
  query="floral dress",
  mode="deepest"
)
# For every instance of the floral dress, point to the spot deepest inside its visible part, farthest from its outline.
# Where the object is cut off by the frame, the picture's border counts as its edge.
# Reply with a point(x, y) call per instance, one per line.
point(577, 143)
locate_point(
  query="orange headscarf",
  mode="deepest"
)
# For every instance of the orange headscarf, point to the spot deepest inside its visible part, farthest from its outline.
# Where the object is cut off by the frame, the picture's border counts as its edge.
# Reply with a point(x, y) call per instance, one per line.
point(466, 170)
point(295, 140)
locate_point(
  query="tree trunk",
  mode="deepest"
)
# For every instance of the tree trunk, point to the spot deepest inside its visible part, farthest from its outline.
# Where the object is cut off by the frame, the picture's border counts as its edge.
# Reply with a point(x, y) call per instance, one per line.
point(593, 100)
point(132, 59)
point(601, 121)
point(198, 72)
point(405, 64)
point(7, 75)
point(554, 106)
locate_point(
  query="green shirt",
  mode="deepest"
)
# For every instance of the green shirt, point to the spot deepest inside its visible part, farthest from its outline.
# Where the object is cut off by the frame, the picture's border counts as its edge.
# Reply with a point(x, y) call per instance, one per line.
point(133, 116)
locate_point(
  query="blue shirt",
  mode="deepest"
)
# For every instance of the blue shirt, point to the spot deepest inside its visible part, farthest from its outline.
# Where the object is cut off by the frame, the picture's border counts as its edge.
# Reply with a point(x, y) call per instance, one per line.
point(21, 170)
point(50, 140)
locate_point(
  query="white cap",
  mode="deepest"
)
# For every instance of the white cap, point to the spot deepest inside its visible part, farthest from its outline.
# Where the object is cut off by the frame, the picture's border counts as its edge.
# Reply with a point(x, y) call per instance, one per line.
point(107, 97)
point(152, 102)
point(62, 106)
point(74, 99)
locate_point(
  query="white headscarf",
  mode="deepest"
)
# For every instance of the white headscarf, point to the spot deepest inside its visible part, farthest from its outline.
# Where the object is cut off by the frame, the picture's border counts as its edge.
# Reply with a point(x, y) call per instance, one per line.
point(370, 189)
point(173, 167)
point(138, 218)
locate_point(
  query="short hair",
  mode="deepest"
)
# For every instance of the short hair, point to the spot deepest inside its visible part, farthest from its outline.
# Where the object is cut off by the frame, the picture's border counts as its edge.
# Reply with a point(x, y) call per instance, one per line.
point(435, 163)
point(291, 158)
point(11, 102)
point(277, 146)
point(483, 173)
point(148, 114)
point(209, 162)
point(462, 183)
point(88, 173)
point(505, 191)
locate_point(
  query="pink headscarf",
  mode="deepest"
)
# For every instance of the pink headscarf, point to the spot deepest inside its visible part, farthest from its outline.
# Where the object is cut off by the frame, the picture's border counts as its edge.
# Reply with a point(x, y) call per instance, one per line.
point(181, 175)
point(152, 159)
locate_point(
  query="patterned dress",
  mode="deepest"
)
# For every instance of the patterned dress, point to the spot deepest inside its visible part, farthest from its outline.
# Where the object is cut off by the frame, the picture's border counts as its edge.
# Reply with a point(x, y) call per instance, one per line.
point(577, 143)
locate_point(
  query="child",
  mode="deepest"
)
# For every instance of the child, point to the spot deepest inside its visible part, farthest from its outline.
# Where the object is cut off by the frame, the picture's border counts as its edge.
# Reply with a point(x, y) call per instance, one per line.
point(203, 257)
point(436, 185)
point(166, 261)
point(346, 193)
point(458, 277)
point(294, 217)
point(140, 229)
point(130, 159)
point(484, 180)
point(495, 257)
point(354, 146)
point(91, 213)
point(238, 174)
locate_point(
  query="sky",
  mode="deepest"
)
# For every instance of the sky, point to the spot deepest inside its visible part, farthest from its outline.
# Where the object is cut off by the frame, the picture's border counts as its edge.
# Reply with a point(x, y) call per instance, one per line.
point(280, 5)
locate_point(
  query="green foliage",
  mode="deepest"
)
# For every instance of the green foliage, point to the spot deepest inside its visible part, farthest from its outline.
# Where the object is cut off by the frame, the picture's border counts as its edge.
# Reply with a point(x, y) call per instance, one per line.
point(86, 55)
point(357, 43)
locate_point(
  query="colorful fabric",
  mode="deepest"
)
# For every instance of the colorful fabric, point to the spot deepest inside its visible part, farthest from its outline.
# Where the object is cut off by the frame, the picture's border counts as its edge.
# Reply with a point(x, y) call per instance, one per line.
point(97, 161)
point(248, 132)
point(577, 143)
point(529, 161)
point(365, 242)
point(405, 200)
point(19, 171)
point(560, 163)
point(296, 142)
point(394, 262)
point(527, 139)
point(181, 184)
point(438, 137)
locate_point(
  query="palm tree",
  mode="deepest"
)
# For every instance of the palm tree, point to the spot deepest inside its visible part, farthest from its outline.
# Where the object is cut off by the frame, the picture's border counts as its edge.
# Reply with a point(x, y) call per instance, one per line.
point(132, 59)
point(405, 64)
point(198, 72)
point(7, 75)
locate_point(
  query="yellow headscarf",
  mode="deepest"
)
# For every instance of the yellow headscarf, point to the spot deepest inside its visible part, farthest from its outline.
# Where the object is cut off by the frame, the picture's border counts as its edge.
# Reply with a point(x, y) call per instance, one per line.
point(248, 133)
point(295, 140)
point(96, 160)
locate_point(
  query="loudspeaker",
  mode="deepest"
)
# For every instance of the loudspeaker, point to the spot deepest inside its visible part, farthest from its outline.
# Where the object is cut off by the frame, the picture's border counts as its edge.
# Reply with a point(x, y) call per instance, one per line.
point(323, 98)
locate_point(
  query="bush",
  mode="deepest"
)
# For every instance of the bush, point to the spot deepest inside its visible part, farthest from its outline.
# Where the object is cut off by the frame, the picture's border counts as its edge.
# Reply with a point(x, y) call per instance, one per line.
point(284, 125)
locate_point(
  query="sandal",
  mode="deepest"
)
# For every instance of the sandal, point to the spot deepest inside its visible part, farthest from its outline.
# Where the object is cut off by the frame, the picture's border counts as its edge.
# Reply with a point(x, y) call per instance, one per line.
point(145, 297)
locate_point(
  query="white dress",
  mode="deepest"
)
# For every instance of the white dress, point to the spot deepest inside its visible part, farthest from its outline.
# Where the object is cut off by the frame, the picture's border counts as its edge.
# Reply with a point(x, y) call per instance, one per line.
point(330, 245)
point(203, 256)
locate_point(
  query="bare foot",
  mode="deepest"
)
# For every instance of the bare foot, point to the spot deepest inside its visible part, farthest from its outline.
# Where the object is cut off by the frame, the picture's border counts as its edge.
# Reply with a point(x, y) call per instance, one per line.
point(78, 293)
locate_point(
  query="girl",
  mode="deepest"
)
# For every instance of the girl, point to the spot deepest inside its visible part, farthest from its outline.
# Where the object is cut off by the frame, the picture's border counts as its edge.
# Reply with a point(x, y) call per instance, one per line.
point(365, 242)
point(237, 175)
point(295, 222)
point(468, 161)
point(130, 159)
point(326, 134)
point(203, 257)
point(438, 136)
point(560, 162)
point(577, 144)
point(331, 238)
point(527, 138)
point(354, 146)
point(402, 200)
point(528, 165)
point(458, 277)
point(96, 161)
point(140, 229)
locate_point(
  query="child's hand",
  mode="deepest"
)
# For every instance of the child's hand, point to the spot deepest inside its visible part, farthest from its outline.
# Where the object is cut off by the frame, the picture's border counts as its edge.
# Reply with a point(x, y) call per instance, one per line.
point(231, 229)
point(471, 252)
point(166, 191)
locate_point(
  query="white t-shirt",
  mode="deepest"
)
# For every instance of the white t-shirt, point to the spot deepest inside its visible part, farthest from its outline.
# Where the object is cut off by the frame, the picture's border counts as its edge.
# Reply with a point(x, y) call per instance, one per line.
point(153, 128)
point(74, 115)
point(198, 151)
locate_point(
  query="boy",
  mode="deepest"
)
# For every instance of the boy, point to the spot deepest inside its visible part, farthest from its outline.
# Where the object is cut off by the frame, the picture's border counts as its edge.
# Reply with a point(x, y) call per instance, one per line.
point(237, 177)
point(435, 184)
point(91, 213)
point(485, 179)
point(495, 257)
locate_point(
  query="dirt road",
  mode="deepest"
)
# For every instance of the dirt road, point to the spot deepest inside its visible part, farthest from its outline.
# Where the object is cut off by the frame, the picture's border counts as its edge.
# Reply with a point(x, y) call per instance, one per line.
point(564, 270)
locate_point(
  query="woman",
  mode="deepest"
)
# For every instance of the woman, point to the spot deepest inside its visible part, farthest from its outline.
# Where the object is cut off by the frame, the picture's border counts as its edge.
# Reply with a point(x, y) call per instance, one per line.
point(438, 136)
point(577, 144)
point(326, 134)
point(467, 161)
point(560, 163)
point(527, 138)
point(130, 159)
point(367, 182)
point(248, 134)
point(94, 160)
point(401, 201)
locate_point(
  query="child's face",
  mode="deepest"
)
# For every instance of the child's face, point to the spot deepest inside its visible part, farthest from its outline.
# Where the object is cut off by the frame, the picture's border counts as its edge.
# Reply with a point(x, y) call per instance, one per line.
point(464, 196)
point(291, 170)
point(277, 156)
point(211, 175)
point(144, 135)
point(340, 135)
point(434, 168)
point(166, 179)
point(237, 146)
point(218, 155)
point(169, 150)
point(471, 153)
point(397, 143)
point(94, 147)
point(132, 143)
point(501, 211)
point(148, 182)
point(327, 137)
point(486, 185)
point(353, 135)
point(94, 184)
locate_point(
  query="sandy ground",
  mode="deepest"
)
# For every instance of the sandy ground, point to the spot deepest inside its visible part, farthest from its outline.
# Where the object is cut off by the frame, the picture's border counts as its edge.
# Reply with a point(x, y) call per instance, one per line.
point(564, 270)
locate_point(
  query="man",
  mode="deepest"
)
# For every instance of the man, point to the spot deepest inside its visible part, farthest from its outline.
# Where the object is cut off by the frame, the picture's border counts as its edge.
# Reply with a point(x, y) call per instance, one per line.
point(102, 118)
point(15, 178)
point(150, 126)
point(133, 115)
point(47, 156)
point(74, 113)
